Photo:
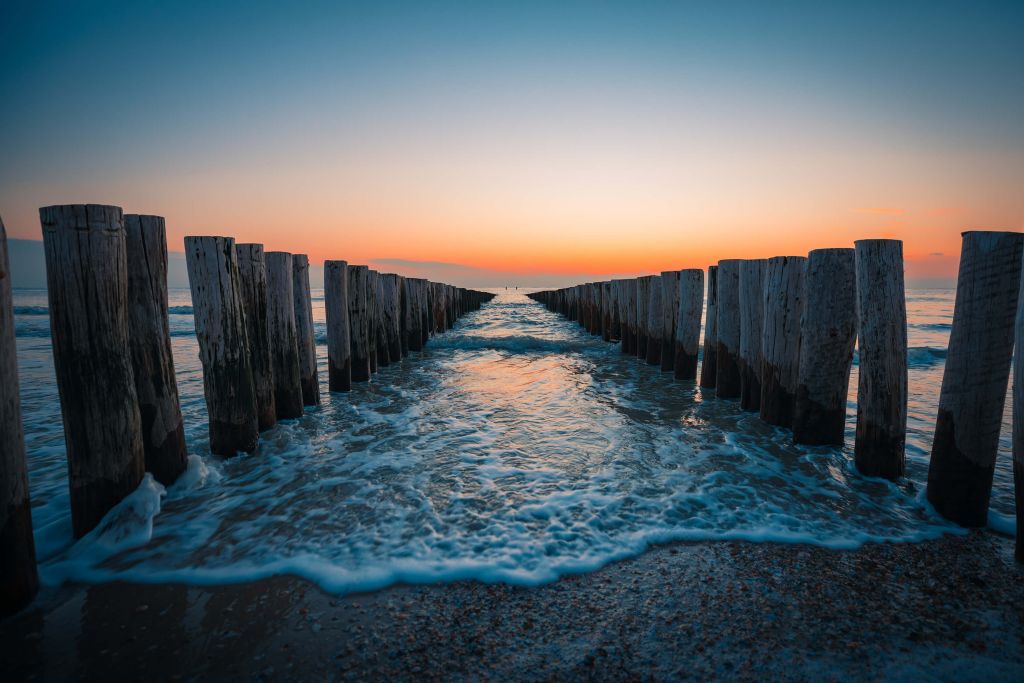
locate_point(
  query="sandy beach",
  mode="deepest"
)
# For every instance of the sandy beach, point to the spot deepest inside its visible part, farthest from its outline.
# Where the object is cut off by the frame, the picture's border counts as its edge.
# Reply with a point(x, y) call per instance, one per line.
point(950, 609)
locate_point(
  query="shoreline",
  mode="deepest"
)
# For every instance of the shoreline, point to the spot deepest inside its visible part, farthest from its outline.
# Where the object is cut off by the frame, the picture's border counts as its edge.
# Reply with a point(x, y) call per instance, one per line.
point(947, 608)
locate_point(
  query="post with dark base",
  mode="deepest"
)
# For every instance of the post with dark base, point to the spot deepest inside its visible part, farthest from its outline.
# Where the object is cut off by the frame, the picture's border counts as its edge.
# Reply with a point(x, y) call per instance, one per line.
point(163, 430)
point(828, 330)
point(727, 376)
point(974, 382)
point(19, 580)
point(284, 346)
point(252, 283)
point(1018, 428)
point(882, 384)
point(669, 318)
point(783, 306)
point(217, 305)
point(339, 342)
point(751, 331)
point(709, 365)
point(87, 283)
point(687, 334)
point(655, 316)
point(304, 335)
point(358, 318)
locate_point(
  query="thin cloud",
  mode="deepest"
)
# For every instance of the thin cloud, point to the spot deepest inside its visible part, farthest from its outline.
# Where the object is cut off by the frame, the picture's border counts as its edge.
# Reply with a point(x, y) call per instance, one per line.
point(880, 211)
point(936, 253)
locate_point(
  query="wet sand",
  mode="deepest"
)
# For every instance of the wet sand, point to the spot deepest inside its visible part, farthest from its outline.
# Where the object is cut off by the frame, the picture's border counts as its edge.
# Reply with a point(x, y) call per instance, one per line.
point(950, 609)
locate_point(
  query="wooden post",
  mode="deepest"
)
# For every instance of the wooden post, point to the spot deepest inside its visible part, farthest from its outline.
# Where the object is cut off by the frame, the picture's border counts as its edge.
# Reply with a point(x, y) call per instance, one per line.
point(358, 317)
point(391, 308)
point(828, 330)
point(373, 297)
point(622, 297)
point(87, 282)
point(727, 375)
point(709, 365)
point(882, 383)
point(417, 305)
point(404, 319)
point(339, 342)
point(783, 306)
point(669, 318)
point(304, 335)
point(655, 316)
point(1018, 427)
point(609, 317)
point(974, 381)
point(19, 581)
point(751, 331)
point(691, 304)
point(643, 293)
point(217, 306)
point(252, 283)
point(284, 345)
point(163, 431)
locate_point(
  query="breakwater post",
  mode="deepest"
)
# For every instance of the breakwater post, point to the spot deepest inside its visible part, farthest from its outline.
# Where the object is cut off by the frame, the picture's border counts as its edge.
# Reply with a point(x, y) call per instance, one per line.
point(284, 345)
point(691, 304)
point(339, 341)
point(252, 283)
point(87, 281)
point(305, 337)
point(882, 383)
point(223, 344)
point(783, 306)
point(19, 579)
point(359, 321)
point(163, 430)
point(655, 317)
point(727, 311)
point(828, 330)
point(669, 318)
point(643, 296)
point(751, 331)
point(709, 365)
point(974, 381)
point(1018, 428)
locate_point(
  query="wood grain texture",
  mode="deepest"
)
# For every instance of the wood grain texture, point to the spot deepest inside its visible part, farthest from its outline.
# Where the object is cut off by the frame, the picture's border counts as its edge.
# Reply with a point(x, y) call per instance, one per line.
point(284, 343)
point(359, 321)
point(252, 284)
point(709, 365)
point(828, 331)
point(339, 341)
point(727, 375)
point(691, 304)
point(655, 320)
point(1018, 426)
point(669, 318)
point(19, 580)
point(163, 430)
point(975, 379)
point(87, 282)
point(751, 331)
point(882, 367)
point(217, 306)
point(304, 334)
point(780, 350)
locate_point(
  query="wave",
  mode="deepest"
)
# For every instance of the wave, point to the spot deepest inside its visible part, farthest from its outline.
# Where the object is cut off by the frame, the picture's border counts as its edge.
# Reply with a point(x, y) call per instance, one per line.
point(180, 310)
point(31, 310)
point(516, 344)
point(919, 356)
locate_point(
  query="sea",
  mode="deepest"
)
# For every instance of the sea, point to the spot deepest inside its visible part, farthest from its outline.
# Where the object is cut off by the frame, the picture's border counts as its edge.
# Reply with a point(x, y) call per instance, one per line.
point(515, 448)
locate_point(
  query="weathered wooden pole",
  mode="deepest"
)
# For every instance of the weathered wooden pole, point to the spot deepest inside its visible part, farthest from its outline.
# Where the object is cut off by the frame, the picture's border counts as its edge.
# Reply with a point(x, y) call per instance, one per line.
point(19, 580)
point(404, 314)
point(339, 341)
point(643, 295)
point(780, 350)
point(359, 323)
point(828, 330)
point(217, 307)
point(669, 318)
point(305, 336)
point(709, 365)
point(252, 283)
point(727, 311)
point(609, 312)
point(417, 306)
point(691, 304)
point(1018, 427)
point(974, 381)
point(373, 297)
point(87, 282)
point(163, 431)
point(391, 315)
point(622, 297)
point(655, 316)
point(284, 345)
point(882, 350)
point(751, 331)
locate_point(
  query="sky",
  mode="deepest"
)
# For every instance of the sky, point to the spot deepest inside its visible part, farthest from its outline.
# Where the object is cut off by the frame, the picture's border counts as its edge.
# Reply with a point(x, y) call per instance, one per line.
point(530, 143)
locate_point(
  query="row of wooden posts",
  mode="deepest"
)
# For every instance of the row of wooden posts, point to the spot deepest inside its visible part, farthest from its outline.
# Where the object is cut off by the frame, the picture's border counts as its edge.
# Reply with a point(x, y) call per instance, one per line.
point(779, 335)
point(107, 289)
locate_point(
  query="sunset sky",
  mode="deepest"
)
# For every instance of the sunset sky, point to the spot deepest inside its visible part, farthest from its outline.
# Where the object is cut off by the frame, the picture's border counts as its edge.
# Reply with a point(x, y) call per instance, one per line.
point(528, 140)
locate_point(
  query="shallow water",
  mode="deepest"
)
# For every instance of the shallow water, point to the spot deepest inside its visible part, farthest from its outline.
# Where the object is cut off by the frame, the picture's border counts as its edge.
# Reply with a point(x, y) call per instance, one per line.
point(515, 448)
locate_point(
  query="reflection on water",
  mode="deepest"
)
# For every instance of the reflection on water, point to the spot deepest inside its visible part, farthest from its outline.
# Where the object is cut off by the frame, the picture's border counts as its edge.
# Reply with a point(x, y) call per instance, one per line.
point(515, 448)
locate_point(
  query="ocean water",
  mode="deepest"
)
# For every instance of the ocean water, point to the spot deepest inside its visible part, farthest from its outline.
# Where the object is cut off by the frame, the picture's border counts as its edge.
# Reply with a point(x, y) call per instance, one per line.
point(516, 448)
